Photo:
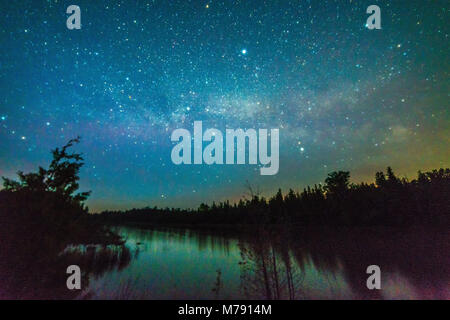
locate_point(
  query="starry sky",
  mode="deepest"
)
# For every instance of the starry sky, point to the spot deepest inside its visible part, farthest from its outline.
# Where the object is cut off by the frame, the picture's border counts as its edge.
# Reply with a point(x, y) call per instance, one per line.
point(344, 97)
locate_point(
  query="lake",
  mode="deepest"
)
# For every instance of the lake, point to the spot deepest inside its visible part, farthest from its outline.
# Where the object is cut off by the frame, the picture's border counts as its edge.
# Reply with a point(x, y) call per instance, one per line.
point(315, 263)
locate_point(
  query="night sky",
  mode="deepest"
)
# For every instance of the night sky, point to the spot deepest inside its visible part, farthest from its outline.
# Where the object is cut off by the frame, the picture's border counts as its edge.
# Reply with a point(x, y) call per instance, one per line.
point(344, 97)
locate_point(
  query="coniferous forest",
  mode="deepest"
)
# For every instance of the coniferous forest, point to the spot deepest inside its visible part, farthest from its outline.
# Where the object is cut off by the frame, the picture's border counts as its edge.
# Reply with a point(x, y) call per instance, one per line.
point(47, 201)
point(390, 201)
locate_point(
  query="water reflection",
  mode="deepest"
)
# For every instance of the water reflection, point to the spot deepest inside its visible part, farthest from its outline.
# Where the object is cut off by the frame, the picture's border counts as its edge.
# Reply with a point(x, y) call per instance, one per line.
point(173, 264)
point(276, 264)
point(43, 275)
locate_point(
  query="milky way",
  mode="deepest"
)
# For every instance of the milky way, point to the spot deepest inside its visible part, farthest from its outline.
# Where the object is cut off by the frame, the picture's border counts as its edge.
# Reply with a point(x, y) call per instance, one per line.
point(343, 96)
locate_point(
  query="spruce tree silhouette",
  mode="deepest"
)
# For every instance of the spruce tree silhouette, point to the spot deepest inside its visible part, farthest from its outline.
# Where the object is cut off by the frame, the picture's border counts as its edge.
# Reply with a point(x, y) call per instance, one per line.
point(61, 177)
point(337, 182)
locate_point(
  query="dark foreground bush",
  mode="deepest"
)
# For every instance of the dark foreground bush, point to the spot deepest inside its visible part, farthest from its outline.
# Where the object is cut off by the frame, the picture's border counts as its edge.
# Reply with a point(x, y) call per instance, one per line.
point(40, 216)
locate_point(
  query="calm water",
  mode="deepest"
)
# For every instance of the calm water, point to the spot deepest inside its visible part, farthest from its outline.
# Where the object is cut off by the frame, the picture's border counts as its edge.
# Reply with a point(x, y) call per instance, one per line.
point(307, 264)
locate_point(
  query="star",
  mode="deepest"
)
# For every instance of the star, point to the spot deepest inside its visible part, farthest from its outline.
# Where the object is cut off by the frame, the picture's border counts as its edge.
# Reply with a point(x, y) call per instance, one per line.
point(290, 65)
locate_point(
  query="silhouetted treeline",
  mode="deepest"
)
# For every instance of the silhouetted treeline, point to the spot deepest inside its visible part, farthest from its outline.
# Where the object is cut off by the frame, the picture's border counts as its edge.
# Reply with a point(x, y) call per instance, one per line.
point(389, 201)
